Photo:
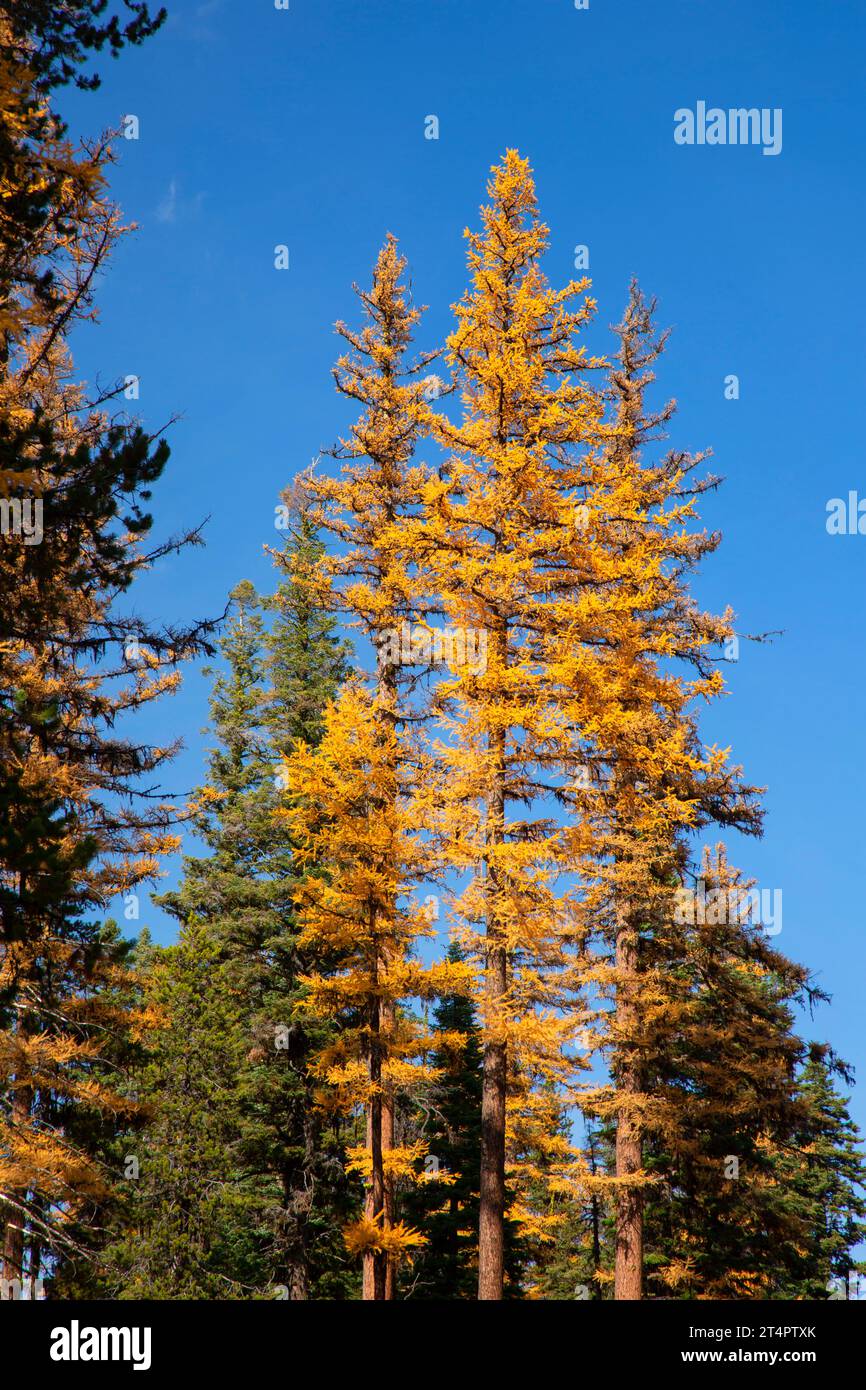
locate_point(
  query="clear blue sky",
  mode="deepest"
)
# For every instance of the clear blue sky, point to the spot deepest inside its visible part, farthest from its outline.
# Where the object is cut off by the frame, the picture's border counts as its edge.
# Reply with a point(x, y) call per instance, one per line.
point(306, 127)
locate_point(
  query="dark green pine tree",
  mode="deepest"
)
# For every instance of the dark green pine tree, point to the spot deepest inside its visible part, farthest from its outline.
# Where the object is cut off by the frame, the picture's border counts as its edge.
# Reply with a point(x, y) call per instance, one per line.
point(761, 1195)
point(828, 1172)
point(723, 1221)
point(187, 1228)
point(798, 1227)
point(57, 40)
point(284, 1132)
point(305, 661)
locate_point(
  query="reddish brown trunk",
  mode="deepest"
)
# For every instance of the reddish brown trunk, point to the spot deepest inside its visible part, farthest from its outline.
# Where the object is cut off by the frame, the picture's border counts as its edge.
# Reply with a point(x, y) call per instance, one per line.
point(491, 1225)
point(491, 1228)
point(377, 1197)
point(367, 1275)
point(388, 1185)
point(367, 1289)
point(13, 1249)
point(379, 1272)
point(628, 1282)
point(629, 1215)
point(376, 1286)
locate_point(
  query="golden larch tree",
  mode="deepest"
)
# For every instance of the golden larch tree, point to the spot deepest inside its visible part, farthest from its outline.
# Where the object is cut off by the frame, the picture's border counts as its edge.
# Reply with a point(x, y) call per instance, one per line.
point(497, 519)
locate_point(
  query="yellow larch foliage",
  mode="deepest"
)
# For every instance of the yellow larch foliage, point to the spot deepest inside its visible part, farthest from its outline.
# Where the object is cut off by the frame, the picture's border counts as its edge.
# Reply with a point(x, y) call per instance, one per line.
point(352, 814)
point(496, 521)
point(371, 510)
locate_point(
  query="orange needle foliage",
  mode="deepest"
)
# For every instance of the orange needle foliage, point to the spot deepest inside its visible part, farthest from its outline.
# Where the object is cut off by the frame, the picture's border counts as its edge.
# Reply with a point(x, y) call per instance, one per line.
point(359, 794)
point(353, 819)
point(499, 528)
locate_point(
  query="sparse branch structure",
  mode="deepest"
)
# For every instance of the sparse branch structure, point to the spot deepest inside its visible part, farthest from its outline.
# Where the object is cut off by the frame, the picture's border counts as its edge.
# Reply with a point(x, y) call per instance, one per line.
point(81, 821)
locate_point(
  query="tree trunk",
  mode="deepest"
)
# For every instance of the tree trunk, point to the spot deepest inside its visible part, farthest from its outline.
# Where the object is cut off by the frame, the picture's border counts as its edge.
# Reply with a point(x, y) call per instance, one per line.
point(367, 1271)
point(387, 1143)
point(629, 1203)
point(491, 1225)
point(376, 1286)
point(13, 1244)
point(595, 1210)
point(379, 1272)
point(295, 1217)
point(388, 1185)
point(34, 1262)
point(13, 1249)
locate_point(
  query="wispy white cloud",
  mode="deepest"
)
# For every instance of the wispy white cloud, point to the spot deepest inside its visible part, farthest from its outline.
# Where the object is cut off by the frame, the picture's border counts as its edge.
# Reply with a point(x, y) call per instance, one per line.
point(167, 210)
point(196, 25)
point(174, 206)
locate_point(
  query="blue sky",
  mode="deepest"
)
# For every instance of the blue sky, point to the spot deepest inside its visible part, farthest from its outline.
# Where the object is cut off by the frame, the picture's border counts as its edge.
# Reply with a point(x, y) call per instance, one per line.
point(306, 127)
